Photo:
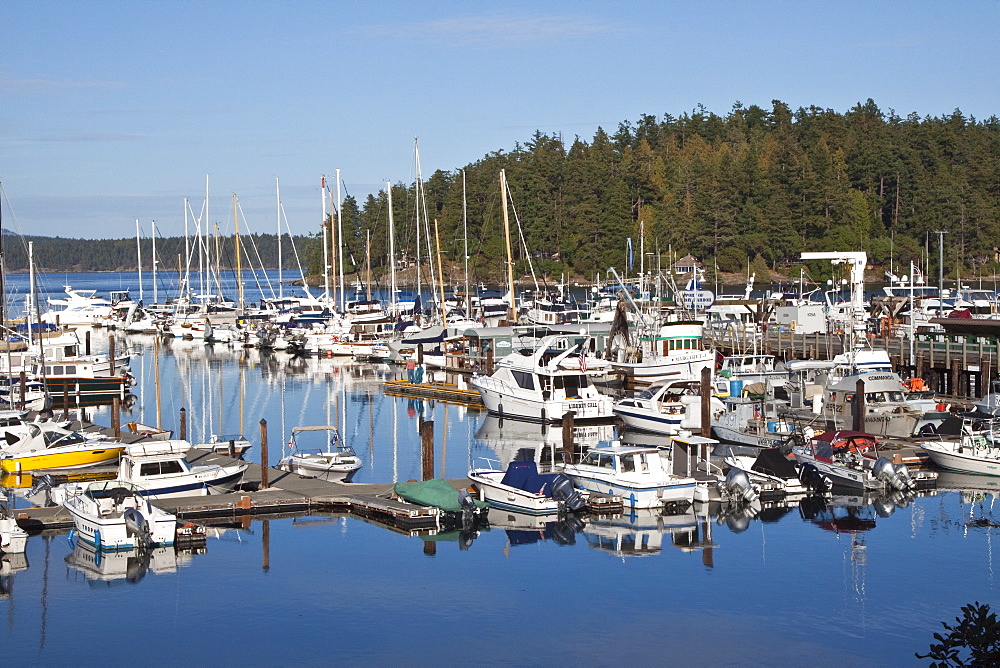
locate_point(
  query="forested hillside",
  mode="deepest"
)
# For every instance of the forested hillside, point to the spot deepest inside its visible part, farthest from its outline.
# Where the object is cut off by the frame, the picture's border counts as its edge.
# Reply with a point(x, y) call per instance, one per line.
point(753, 185)
point(60, 254)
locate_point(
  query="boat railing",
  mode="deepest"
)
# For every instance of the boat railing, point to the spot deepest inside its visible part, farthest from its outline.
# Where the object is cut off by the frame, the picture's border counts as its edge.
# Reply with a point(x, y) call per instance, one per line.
point(489, 463)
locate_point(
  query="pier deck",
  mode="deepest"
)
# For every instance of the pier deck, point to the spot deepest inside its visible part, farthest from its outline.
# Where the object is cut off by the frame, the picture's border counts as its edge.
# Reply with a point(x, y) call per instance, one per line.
point(286, 492)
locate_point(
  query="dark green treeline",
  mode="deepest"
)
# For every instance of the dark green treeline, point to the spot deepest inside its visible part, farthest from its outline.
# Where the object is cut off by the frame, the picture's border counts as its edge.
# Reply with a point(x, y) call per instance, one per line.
point(755, 185)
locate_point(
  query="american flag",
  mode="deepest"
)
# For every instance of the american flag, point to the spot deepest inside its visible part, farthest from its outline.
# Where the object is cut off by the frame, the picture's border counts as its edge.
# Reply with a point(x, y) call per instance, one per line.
point(583, 359)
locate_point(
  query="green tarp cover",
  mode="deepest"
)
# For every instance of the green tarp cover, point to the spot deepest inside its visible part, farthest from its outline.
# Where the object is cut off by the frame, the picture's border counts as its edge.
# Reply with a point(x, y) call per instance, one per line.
point(437, 493)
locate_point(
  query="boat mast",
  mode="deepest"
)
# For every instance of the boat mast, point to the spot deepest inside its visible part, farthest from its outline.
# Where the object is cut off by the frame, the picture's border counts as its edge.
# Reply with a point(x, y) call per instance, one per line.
point(340, 243)
point(154, 250)
point(277, 193)
point(326, 244)
point(416, 196)
point(512, 308)
point(138, 256)
point(392, 250)
point(437, 244)
point(465, 254)
point(239, 266)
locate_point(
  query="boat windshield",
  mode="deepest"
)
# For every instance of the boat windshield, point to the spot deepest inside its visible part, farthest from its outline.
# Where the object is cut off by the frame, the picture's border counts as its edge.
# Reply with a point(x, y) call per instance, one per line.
point(56, 439)
point(650, 391)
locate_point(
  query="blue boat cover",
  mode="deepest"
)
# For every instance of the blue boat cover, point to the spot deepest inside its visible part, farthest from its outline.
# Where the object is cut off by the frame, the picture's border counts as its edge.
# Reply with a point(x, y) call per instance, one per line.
point(525, 476)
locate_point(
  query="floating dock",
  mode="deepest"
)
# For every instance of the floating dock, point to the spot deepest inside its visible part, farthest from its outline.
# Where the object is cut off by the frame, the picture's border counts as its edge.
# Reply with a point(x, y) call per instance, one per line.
point(286, 492)
point(448, 392)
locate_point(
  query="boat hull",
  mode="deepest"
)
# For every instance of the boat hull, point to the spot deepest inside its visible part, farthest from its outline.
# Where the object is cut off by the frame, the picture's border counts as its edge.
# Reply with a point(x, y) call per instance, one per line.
point(498, 495)
point(507, 405)
point(635, 496)
point(113, 534)
point(59, 460)
point(947, 457)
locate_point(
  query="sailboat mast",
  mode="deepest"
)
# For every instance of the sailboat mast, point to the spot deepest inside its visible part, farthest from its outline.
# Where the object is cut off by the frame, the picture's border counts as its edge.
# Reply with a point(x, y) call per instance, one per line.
point(512, 309)
point(465, 253)
point(239, 265)
point(31, 291)
point(416, 197)
point(138, 256)
point(277, 197)
point(326, 244)
point(153, 233)
point(392, 249)
point(437, 245)
point(340, 243)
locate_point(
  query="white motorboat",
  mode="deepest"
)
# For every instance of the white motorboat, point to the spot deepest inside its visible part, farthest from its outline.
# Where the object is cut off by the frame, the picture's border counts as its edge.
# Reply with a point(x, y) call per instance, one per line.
point(83, 307)
point(115, 515)
point(847, 458)
point(47, 445)
point(636, 474)
point(752, 422)
point(972, 452)
point(338, 462)
point(546, 382)
point(887, 409)
point(523, 489)
point(13, 539)
point(161, 468)
point(666, 408)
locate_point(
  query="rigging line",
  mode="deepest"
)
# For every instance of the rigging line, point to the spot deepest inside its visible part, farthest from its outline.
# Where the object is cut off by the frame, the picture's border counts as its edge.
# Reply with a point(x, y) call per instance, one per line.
point(295, 251)
point(520, 233)
point(253, 244)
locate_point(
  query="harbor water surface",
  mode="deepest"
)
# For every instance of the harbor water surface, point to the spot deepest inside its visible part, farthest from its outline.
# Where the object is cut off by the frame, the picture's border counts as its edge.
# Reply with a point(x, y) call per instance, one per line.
point(848, 582)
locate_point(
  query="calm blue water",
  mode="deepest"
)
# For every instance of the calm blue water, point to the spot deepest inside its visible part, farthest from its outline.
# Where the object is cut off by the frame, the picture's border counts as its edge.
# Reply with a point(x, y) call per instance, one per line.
point(695, 590)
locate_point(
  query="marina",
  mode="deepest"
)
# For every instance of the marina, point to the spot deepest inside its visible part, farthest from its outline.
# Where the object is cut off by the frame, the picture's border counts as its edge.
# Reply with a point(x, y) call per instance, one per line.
point(292, 541)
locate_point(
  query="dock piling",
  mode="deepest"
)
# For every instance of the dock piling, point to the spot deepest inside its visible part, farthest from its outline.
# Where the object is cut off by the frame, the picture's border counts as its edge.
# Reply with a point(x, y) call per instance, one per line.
point(427, 449)
point(264, 460)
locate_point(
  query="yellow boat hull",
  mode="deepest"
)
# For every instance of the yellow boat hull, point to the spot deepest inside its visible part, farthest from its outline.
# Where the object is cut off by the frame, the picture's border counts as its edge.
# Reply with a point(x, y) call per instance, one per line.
point(59, 460)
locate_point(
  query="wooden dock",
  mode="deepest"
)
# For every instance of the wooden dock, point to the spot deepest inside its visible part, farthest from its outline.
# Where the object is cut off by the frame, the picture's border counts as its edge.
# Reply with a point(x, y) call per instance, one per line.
point(952, 364)
point(286, 493)
point(447, 392)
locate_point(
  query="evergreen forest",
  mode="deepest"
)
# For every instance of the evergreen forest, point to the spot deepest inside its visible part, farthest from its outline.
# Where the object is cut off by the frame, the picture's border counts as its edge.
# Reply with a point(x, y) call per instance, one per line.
point(752, 187)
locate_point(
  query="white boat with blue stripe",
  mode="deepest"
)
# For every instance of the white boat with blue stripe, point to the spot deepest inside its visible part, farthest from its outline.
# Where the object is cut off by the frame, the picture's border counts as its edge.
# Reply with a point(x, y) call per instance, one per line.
point(639, 475)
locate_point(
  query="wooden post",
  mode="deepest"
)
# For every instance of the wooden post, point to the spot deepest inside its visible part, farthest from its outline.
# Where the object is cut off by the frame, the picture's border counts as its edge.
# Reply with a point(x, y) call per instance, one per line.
point(264, 460)
point(420, 353)
point(859, 406)
point(427, 450)
point(183, 431)
point(65, 399)
point(24, 390)
point(569, 447)
point(86, 342)
point(706, 402)
point(111, 353)
point(116, 418)
point(955, 388)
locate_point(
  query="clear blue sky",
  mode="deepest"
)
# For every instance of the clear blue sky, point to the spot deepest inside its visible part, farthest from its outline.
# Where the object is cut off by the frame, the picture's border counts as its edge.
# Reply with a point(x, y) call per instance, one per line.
point(113, 111)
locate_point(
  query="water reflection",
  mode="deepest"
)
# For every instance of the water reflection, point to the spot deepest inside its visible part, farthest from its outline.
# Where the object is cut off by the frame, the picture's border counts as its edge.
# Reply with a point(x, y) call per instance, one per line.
point(105, 568)
point(512, 440)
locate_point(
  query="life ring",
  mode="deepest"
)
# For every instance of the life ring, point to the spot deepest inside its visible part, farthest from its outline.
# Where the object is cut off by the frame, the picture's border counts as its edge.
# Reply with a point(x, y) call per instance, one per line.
point(336, 338)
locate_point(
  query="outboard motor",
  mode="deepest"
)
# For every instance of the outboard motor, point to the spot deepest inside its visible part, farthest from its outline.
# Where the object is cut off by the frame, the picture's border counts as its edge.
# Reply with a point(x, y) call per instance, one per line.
point(562, 490)
point(137, 525)
point(903, 471)
point(738, 486)
point(890, 474)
